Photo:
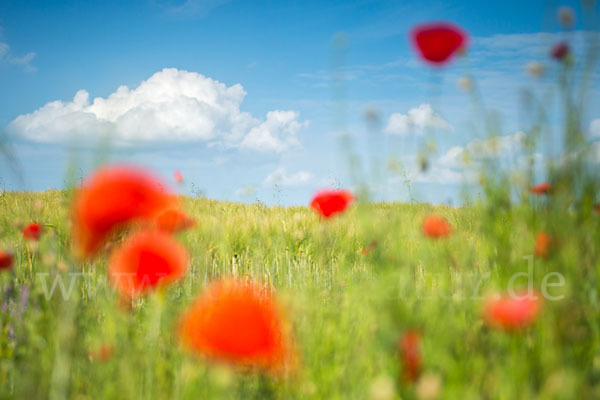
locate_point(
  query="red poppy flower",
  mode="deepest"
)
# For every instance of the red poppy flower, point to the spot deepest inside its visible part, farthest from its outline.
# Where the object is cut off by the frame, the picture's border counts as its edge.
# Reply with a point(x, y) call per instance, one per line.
point(330, 202)
point(145, 261)
point(560, 50)
point(32, 231)
point(597, 208)
point(541, 188)
point(437, 42)
point(512, 313)
point(111, 198)
point(237, 322)
point(410, 355)
point(436, 226)
point(543, 242)
point(178, 176)
point(6, 260)
point(173, 220)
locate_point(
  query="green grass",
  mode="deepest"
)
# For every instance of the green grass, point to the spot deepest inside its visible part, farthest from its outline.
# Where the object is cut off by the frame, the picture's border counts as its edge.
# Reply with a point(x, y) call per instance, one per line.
point(346, 309)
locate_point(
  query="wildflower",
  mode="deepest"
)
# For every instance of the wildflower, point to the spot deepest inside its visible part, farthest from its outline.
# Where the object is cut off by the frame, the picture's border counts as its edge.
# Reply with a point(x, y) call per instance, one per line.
point(330, 202)
point(541, 188)
point(48, 259)
point(174, 220)
point(103, 353)
point(436, 43)
point(145, 261)
point(429, 386)
point(6, 260)
point(365, 251)
point(382, 388)
point(32, 231)
point(465, 83)
point(566, 16)
point(178, 176)
point(535, 69)
point(512, 313)
point(111, 198)
point(436, 226)
point(371, 115)
point(237, 322)
point(38, 205)
point(542, 244)
point(560, 50)
point(410, 355)
point(423, 163)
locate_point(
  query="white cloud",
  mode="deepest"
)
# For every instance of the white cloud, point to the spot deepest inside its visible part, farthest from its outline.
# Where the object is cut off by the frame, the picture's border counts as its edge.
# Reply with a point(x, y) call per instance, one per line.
point(438, 175)
point(496, 146)
point(171, 105)
point(6, 56)
point(277, 133)
point(281, 177)
point(463, 163)
point(595, 128)
point(417, 120)
point(454, 157)
point(480, 149)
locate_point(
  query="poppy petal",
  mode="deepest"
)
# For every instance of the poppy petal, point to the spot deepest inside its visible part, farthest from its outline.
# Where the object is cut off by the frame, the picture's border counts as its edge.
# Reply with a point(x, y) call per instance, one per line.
point(437, 42)
point(238, 322)
point(145, 261)
point(330, 202)
point(112, 197)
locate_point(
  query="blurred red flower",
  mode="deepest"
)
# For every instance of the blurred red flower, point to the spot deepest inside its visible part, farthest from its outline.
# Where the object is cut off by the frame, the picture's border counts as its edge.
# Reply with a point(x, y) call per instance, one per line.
point(436, 226)
point(330, 202)
point(365, 251)
point(6, 260)
point(238, 322)
point(112, 197)
point(541, 188)
point(32, 231)
point(512, 313)
point(145, 261)
point(437, 42)
point(103, 353)
point(542, 244)
point(173, 220)
point(560, 50)
point(178, 176)
point(410, 355)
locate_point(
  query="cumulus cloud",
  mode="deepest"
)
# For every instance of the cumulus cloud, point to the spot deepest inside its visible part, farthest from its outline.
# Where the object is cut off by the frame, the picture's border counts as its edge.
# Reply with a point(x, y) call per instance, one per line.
point(172, 105)
point(463, 163)
point(277, 133)
point(418, 120)
point(481, 149)
point(281, 177)
point(436, 173)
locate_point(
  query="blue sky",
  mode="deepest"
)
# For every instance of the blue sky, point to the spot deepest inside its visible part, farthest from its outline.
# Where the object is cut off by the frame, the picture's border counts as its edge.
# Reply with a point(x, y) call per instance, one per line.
point(275, 136)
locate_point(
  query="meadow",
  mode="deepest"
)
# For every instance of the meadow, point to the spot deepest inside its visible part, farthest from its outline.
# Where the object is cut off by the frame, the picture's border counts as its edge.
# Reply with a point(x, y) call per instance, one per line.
point(343, 299)
point(348, 300)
